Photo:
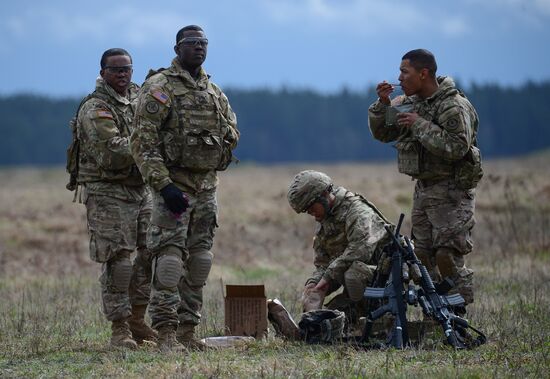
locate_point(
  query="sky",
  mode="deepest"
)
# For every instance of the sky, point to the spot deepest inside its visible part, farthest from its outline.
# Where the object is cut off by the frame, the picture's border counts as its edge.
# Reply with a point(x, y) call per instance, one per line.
point(54, 47)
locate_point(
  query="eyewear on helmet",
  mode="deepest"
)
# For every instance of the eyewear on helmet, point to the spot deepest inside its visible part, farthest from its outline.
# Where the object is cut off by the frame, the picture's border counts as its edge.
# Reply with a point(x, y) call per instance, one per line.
point(194, 41)
point(120, 69)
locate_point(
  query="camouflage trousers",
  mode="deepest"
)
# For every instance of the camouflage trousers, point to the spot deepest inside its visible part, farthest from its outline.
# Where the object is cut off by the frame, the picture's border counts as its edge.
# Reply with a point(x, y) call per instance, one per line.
point(442, 219)
point(182, 258)
point(117, 228)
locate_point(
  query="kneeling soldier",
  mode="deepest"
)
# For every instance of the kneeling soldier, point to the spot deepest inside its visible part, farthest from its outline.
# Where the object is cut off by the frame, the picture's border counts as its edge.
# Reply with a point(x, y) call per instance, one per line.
point(349, 239)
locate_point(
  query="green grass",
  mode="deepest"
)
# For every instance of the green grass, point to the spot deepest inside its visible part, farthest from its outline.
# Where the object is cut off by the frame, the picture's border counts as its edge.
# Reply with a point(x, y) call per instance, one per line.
point(52, 327)
point(51, 324)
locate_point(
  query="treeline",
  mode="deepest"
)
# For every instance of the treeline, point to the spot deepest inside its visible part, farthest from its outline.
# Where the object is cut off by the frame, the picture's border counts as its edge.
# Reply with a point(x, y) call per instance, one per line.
point(293, 125)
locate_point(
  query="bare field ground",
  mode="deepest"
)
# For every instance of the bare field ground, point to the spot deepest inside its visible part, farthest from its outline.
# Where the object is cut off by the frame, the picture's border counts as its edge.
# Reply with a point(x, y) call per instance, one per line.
point(50, 316)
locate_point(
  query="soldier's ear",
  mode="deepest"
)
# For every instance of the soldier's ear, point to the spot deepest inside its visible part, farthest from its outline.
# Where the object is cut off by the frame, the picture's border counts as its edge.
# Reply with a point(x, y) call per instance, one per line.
point(101, 72)
point(424, 73)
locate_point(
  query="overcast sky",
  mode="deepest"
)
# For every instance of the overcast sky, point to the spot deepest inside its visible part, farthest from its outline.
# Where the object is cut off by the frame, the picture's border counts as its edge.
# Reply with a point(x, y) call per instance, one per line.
point(53, 47)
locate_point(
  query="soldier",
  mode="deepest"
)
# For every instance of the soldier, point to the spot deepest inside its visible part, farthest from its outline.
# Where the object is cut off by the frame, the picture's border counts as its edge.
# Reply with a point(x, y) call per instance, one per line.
point(117, 201)
point(349, 239)
point(184, 133)
point(435, 132)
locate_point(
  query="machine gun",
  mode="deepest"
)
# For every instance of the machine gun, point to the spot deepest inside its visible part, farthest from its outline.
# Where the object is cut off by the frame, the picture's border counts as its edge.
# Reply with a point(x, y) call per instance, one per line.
point(434, 302)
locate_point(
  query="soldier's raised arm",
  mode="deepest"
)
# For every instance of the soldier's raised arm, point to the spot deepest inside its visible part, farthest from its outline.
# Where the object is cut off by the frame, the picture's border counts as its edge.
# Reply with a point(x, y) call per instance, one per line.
point(377, 114)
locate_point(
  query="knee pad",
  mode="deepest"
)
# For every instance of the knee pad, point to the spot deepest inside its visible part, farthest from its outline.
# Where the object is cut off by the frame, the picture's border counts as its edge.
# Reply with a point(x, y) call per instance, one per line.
point(199, 267)
point(121, 273)
point(449, 262)
point(356, 279)
point(168, 271)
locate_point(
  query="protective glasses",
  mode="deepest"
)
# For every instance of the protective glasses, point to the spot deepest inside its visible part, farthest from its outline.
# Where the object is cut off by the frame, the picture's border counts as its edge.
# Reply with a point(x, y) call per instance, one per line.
point(120, 69)
point(194, 41)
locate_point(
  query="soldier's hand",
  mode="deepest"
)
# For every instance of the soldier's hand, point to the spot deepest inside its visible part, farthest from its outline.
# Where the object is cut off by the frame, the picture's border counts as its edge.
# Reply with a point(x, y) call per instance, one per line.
point(383, 90)
point(322, 286)
point(406, 119)
point(174, 198)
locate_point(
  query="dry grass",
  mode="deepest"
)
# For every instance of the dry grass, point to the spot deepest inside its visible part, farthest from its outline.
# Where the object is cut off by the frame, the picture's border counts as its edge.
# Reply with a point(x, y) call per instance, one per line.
point(51, 323)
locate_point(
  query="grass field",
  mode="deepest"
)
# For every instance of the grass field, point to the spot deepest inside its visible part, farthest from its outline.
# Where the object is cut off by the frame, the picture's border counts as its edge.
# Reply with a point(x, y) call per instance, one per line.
point(51, 323)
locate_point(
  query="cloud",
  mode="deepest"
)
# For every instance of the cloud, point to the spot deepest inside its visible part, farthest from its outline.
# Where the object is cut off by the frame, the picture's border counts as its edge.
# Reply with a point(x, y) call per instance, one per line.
point(543, 6)
point(454, 27)
point(365, 17)
point(129, 24)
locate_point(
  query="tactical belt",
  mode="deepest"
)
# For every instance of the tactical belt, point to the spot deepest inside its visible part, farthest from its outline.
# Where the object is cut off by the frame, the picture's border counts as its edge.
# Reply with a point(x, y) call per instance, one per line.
point(430, 182)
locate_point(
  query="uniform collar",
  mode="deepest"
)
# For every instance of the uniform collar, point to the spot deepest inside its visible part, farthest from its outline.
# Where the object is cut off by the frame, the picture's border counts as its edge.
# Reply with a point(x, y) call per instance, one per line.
point(339, 196)
point(102, 86)
point(176, 70)
point(446, 88)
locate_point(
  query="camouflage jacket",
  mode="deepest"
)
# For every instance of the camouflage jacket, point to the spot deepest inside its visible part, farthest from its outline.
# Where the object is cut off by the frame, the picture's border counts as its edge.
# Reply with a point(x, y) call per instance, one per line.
point(179, 124)
point(353, 231)
point(106, 165)
point(441, 136)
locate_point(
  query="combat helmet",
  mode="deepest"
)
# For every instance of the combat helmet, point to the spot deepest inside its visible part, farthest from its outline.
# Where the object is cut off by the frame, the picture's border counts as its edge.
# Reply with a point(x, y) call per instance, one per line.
point(306, 188)
point(322, 326)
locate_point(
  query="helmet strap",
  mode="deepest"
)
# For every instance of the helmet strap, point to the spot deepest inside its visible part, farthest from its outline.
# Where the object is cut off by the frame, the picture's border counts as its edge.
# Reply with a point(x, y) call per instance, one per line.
point(324, 201)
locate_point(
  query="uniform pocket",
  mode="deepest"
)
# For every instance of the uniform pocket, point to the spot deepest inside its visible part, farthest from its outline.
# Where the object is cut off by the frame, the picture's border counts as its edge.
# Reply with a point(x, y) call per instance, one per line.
point(408, 157)
point(101, 249)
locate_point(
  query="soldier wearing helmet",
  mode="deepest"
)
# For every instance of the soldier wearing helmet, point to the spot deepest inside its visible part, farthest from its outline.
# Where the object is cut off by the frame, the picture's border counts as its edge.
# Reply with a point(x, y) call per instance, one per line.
point(349, 239)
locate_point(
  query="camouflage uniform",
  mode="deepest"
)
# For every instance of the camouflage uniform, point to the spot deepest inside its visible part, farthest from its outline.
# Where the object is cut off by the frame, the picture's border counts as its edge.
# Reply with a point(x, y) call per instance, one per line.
point(117, 201)
point(183, 129)
point(430, 151)
point(348, 244)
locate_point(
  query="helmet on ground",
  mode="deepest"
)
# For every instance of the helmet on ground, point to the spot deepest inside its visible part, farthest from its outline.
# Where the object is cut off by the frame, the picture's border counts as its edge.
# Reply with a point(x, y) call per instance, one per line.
point(322, 326)
point(306, 187)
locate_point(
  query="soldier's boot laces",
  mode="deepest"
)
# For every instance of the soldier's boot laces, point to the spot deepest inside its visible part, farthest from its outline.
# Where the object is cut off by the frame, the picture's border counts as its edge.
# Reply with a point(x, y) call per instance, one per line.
point(140, 330)
point(167, 341)
point(185, 334)
point(121, 335)
point(281, 320)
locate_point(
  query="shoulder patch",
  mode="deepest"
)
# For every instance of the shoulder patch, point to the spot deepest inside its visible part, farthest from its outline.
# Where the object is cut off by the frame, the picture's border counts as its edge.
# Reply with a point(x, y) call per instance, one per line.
point(152, 107)
point(102, 113)
point(160, 96)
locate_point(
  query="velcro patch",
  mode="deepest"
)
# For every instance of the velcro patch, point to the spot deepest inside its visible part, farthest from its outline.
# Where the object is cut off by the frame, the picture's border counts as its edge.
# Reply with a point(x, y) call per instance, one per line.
point(104, 114)
point(152, 107)
point(160, 96)
point(453, 123)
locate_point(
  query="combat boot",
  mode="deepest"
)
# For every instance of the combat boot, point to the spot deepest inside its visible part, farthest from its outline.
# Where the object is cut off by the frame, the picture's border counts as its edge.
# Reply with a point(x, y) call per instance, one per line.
point(121, 335)
point(186, 336)
point(167, 341)
point(281, 320)
point(140, 330)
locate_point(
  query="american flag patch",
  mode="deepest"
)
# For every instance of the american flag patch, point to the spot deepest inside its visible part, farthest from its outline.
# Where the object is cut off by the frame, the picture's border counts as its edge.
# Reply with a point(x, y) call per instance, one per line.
point(160, 96)
point(104, 114)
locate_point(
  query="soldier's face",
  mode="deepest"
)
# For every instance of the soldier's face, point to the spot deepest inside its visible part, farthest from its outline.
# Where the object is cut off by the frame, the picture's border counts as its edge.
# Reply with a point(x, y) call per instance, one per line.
point(118, 73)
point(410, 79)
point(192, 48)
point(317, 210)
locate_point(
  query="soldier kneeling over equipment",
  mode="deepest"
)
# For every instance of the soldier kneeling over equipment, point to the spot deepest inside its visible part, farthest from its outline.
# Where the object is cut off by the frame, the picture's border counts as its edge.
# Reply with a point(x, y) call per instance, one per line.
point(348, 243)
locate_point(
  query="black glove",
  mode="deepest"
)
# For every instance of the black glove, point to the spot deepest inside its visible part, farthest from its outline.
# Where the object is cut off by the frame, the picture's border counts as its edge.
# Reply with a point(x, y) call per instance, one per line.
point(175, 199)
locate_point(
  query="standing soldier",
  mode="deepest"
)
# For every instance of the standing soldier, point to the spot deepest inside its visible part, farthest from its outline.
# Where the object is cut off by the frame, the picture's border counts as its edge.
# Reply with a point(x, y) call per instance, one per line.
point(435, 129)
point(117, 201)
point(184, 133)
